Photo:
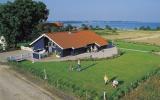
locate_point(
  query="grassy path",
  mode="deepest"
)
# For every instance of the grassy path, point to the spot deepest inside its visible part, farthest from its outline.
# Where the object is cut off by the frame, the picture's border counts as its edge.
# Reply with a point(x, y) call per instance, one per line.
point(135, 50)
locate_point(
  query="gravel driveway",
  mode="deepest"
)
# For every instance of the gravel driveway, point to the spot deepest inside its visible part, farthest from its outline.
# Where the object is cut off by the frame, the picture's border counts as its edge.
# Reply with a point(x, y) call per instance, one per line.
point(4, 55)
point(14, 87)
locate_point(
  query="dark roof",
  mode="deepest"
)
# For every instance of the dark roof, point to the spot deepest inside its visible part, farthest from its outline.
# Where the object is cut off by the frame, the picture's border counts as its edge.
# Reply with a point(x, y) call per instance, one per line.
point(76, 39)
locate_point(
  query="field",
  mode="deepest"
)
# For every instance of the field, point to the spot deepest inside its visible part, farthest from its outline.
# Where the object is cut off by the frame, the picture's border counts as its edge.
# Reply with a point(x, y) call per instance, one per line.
point(128, 68)
point(127, 34)
point(150, 37)
point(147, 91)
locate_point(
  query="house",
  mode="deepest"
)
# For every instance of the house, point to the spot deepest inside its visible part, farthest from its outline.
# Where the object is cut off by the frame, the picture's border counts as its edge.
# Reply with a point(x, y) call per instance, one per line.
point(69, 43)
point(58, 24)
point(55, 24)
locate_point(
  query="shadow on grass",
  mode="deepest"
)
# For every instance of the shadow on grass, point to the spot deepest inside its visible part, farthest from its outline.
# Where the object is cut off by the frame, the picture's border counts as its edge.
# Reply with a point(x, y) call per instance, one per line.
point(120, 82)
point(86, 67)
point(113, 78)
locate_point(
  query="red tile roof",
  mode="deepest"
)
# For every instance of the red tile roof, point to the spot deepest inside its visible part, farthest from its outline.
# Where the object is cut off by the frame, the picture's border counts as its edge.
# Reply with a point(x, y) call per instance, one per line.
point(77, 39)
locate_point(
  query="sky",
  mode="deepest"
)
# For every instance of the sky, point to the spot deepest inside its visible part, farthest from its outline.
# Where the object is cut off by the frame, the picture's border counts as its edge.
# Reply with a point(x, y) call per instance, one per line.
point(108, 10)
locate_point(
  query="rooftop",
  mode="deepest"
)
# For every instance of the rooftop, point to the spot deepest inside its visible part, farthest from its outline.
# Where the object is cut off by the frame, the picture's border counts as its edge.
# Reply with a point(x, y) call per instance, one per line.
point(76, 39)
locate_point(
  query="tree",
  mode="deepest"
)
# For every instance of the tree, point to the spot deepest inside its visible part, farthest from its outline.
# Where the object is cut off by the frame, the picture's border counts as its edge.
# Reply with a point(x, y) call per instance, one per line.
point(84, 26)
point(142, 28)
point(69, 27)
point(158, 28)
point(97, 27)
point(91, 27)
point(145, 28)
point(148, 28)
point(108, 27)
point(19, 19)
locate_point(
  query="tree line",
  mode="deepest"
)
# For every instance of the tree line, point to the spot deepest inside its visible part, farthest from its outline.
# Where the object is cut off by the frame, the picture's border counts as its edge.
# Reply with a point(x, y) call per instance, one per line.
point(148, 28)
point(19, 20)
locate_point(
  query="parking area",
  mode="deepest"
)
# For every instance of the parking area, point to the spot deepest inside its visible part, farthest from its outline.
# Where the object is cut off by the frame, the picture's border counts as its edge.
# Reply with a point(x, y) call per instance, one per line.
point(4, 55)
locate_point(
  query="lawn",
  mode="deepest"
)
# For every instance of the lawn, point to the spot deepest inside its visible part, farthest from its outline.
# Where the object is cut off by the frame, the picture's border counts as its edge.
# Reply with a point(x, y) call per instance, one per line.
point(127, 68)
point(137, 46)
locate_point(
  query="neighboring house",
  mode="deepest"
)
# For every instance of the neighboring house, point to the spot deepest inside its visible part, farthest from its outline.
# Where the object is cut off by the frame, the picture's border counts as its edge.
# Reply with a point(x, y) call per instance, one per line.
point(69, 43)
point(55, 24)
point(58, 24)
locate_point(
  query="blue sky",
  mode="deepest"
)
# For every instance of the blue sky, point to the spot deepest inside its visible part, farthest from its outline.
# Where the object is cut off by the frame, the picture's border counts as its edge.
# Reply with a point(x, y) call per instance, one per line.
point(110, 10)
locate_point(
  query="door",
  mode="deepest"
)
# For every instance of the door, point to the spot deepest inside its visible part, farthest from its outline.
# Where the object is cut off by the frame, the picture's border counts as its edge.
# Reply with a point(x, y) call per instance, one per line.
point(50, 45)
point(50, 49)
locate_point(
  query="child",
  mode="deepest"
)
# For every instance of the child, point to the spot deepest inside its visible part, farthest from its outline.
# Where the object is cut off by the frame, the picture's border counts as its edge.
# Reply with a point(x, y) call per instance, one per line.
point(106, 79)
point(79, 65)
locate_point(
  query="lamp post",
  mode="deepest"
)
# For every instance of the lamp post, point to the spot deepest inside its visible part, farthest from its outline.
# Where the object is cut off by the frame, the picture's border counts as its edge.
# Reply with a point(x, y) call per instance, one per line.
point(104, 96)
point(45, 74)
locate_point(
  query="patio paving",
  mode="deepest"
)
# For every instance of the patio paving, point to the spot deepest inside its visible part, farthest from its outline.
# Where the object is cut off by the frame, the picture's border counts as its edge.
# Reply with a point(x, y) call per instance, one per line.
point(109, 52)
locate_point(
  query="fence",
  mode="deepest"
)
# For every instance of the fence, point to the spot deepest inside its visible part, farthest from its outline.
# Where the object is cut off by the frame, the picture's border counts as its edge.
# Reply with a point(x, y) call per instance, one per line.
point(20, 57)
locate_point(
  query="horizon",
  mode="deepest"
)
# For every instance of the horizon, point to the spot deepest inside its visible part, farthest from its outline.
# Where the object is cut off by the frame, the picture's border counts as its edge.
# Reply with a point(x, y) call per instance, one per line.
point(100, 21)
point(104, 10)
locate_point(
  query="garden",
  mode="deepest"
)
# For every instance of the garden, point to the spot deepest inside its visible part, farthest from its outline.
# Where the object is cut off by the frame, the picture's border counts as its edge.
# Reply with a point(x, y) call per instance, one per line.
point(130, 69)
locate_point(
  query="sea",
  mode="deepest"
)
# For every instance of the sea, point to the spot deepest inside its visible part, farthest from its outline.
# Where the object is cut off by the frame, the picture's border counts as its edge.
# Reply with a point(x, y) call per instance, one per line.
point(114, 24)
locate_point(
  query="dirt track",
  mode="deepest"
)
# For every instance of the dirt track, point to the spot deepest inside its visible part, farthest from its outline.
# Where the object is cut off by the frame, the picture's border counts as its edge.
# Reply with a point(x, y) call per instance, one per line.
point(14, 87)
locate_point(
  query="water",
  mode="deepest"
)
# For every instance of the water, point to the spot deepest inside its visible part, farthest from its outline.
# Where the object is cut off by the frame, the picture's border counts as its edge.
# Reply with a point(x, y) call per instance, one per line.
point(114, 24)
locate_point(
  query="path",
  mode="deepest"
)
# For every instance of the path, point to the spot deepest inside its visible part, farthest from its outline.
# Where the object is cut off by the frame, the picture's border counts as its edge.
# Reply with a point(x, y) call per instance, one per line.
point(135, 50)
point(15, 87)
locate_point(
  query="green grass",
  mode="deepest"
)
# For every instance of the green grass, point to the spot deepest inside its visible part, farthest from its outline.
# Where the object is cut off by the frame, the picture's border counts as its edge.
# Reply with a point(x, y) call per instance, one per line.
point(137, 46)
point(127, 68)
point(106, 32)
point(149, 90)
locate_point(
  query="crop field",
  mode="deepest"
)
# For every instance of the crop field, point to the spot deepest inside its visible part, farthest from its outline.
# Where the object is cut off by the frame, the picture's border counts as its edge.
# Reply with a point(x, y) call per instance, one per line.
point(150, 40)
point(127, 69)
point(128, 34)
point(150, 37)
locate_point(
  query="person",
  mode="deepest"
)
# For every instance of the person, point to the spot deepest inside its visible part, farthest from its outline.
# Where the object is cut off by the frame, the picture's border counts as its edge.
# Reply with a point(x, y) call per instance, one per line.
point(70, 68)
point(115, 83)
point(79, 65)
point(106, 79)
